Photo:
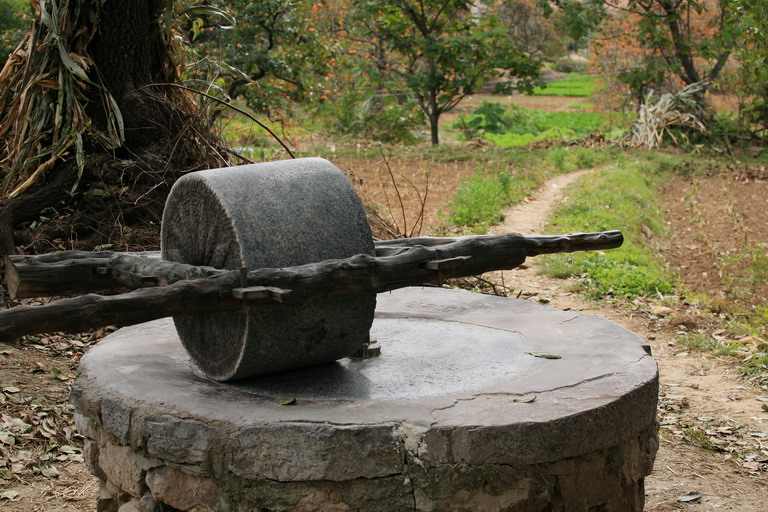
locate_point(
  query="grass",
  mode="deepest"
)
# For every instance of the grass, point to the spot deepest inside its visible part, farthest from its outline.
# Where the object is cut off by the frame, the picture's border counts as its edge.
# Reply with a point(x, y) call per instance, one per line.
point(479, 201)
point(510, 177)
point(574, 84)
point(753, 367)
point(622, 196)
point(706, 343)
point(516, 126)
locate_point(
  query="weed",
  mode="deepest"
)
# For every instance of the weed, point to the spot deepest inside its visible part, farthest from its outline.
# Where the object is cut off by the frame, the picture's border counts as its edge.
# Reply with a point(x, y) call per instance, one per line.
point(490, 117)
point(700, 438)
point(755, 368)
point(557, 157)
point(479, 201)
point(745, 273)
point(516, 126)
point(706, 343)
point(613, 277)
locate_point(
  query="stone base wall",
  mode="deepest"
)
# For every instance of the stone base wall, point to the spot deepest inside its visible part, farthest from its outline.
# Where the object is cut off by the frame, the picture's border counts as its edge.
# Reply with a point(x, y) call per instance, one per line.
point(135, 479)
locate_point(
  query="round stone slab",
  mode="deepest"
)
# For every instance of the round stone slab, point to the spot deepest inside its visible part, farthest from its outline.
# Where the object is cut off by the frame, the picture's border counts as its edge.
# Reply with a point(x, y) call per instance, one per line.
point(269, 215)
point(476, 403)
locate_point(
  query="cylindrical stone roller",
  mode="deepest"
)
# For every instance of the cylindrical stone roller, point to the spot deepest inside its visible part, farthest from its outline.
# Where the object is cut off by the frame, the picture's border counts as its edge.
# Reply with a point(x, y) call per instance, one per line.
point(269, 215)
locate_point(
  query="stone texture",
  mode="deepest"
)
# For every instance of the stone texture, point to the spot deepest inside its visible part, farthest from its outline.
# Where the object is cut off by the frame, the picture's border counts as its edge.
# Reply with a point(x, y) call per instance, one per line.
point(178, 440)
point(288, 452)
point(85, 425)
point(116, 418)
point(131, 506)
point(124, 467)
point(583, 445)
point(182, 490)
point(269, 215)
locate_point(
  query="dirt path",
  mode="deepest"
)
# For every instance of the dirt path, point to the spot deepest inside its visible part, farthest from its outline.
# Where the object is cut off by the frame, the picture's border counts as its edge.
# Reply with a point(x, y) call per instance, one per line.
point(699, 394)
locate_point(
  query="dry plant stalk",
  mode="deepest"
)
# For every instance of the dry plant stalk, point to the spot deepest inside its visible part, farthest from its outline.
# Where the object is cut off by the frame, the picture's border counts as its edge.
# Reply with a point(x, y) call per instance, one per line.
point(43, 97)
point(656, 119)
point(392, 227)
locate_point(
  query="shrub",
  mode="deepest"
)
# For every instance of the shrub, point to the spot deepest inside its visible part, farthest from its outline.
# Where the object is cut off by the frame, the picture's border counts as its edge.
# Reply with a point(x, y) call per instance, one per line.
point(571, 64)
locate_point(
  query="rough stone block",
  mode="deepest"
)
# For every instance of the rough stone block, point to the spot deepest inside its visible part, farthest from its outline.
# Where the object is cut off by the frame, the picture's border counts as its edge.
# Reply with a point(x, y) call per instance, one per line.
point(464, 488)
point(106, 500)
point(86, 426)
point(116, 418)
point(178, 440)
point(131, 506)
point(124, 468)
point(91, 457)
point(291, 452)
point(379, 495)
point(182, 490)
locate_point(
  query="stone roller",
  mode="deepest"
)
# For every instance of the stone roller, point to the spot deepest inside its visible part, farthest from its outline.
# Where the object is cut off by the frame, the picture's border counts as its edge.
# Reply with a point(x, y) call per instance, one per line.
point(269, 215)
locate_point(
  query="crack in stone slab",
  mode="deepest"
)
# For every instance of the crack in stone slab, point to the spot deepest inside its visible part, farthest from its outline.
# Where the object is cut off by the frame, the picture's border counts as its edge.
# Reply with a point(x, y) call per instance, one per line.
point(574, 317)
point(532, 392)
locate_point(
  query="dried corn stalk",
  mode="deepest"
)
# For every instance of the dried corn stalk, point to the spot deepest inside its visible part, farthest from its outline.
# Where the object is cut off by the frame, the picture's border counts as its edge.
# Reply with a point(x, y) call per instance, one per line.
point(42, 96)
point(655, 119)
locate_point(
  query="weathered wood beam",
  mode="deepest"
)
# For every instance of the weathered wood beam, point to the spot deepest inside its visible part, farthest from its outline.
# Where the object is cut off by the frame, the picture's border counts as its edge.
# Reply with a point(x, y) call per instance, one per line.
point(62, 273)
point(359, 274)
point(73, 272)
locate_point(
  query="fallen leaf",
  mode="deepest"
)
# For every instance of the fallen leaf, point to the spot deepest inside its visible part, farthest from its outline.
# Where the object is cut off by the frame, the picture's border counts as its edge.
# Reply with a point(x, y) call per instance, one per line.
point(49, 471)
point(524, 399)
point(7, 438)
point(544, 355)
point(11, 390)
point(68, 449)
point(286, 401)
point(57, 373)
point(20, 426)
point(691, 496)
point(10, 495)
point(662, 311)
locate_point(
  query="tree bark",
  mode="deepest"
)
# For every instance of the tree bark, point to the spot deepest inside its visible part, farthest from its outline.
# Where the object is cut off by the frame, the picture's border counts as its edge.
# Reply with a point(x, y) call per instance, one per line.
point(125, 53)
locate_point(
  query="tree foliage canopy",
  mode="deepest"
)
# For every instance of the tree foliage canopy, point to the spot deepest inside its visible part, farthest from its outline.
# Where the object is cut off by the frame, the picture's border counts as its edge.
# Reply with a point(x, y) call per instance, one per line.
point(442, 51)
point(652, 42)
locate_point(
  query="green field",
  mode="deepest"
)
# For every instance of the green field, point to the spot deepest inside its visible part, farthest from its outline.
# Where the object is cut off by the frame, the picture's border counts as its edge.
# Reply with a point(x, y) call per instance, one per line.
point(516, 126)
point(575, 84)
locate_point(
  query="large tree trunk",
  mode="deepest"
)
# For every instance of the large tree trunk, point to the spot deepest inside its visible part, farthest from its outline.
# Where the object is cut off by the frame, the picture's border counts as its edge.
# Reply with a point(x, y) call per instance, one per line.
point(125, 51)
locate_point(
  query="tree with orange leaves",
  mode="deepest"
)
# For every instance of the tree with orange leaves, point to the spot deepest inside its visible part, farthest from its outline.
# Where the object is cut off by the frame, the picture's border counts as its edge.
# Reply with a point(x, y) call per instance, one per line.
point(657, 41)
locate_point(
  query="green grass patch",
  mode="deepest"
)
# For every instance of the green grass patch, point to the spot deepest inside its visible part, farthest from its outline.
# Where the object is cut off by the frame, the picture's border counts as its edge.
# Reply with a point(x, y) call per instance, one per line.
point(480, 200)
point(516, 126)
point(699, 437)
point(508, 178)
point(754, 367)
point(706, 343)
point(574, 84)
point(621, 197)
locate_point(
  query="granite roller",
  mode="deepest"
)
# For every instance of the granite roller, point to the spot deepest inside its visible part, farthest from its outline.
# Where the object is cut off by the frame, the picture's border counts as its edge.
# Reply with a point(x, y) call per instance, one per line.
point(269, 215)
